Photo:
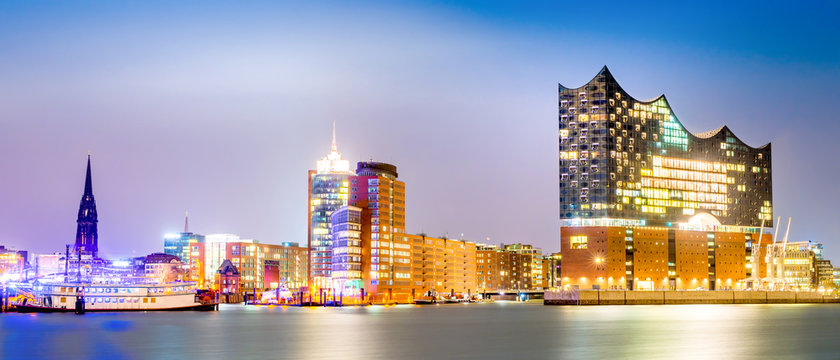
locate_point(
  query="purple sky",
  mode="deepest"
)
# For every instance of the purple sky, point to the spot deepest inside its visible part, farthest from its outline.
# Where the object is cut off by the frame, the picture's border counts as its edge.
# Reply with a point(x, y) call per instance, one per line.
point(221, 110)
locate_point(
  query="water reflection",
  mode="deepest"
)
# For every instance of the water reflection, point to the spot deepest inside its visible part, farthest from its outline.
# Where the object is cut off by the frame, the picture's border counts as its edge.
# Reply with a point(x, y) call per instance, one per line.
point(480, 331)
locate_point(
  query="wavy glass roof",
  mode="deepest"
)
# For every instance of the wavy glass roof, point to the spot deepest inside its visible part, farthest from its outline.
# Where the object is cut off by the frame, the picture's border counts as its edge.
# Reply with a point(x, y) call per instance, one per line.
point(661, 100)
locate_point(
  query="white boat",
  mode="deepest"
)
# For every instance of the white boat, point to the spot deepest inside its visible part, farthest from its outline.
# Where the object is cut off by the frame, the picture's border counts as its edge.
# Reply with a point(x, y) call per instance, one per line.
point(61, 297)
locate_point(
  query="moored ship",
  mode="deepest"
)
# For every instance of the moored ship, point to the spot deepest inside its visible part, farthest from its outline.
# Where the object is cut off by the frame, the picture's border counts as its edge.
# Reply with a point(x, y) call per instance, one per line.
point(62, 297)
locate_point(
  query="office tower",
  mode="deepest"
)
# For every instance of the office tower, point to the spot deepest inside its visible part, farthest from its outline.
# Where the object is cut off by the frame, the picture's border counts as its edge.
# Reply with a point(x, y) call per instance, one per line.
point(180, 244)
point(376, 190)
point(347, 250)
point(328, 191)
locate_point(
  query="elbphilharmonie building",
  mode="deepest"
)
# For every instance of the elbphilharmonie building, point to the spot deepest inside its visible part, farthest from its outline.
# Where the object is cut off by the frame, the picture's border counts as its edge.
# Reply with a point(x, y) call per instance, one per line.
point(631, 169)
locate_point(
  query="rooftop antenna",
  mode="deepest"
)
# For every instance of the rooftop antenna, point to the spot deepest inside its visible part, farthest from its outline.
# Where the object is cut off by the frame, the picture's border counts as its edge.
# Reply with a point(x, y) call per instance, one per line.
point(186, 221)
point(334, 145)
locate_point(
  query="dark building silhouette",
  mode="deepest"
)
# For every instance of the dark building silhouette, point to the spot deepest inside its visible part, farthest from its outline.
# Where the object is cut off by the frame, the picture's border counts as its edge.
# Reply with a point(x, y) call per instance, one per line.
point(86, 233)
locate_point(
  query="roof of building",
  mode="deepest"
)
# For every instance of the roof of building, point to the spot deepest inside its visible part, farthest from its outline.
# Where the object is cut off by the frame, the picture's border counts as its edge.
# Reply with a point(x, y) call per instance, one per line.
point(161, 258)
point(227, 268)
point(722, 132)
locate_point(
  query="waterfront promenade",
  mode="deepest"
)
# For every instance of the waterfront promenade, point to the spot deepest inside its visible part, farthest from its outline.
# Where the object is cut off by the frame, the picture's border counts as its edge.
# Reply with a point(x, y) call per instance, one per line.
point(659, 297)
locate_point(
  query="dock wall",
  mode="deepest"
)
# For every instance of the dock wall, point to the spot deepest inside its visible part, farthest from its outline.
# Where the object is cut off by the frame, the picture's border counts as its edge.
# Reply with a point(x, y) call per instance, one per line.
point(619, 297)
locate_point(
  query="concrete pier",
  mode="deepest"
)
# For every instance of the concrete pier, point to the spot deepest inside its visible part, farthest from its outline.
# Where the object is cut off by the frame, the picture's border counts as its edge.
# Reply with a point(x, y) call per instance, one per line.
point(620, 297)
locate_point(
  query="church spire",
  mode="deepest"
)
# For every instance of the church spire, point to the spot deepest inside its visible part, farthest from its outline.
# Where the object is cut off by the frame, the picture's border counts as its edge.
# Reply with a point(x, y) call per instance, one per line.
point(87, 235)
point(88, 182)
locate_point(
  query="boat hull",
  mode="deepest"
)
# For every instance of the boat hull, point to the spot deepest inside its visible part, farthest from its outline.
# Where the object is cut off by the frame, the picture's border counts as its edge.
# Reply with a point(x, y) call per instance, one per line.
point(426, 302)
point(44, 309)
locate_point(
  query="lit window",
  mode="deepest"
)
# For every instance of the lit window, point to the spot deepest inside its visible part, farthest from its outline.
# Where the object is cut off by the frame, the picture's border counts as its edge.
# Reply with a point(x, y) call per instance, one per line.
point(579, 242)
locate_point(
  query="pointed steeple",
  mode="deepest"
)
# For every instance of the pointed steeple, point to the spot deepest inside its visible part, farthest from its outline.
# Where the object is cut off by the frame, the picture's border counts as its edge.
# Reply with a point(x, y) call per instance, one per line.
point(88, 182)
point(187, 222)
point(87, 235)
point(334, 147)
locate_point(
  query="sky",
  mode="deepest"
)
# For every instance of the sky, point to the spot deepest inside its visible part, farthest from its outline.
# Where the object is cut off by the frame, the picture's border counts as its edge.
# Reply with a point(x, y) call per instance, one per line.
point(220, 108)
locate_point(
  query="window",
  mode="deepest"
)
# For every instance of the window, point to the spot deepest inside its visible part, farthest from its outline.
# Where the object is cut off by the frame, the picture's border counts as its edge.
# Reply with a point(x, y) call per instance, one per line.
point(579, 242)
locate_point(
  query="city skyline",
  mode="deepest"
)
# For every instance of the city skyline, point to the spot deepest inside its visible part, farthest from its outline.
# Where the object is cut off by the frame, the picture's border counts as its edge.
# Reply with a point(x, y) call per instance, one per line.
point(162, 148)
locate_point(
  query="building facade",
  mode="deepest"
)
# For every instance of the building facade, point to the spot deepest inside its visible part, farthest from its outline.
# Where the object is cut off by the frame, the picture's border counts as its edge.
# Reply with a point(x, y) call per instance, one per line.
point(824, 274)
point(328, 190)
point(374, 260)
point(347, 251)
point(796, 266)
point(837, 278)
point(164, 268)
point(180, 245)
point(551, 268)
point(441, 266)
point(514, 267)
point(257, 264)
point(376, 190)
point(645, 204)
point(227, 278)
point(12, 263)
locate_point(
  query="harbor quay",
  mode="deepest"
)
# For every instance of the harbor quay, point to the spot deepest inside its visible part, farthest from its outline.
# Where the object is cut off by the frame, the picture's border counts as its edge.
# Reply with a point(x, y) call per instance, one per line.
point(665, 297)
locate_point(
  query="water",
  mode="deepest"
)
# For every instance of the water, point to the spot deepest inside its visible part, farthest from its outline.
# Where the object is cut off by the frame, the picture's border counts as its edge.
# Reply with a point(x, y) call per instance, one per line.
point(503, 330)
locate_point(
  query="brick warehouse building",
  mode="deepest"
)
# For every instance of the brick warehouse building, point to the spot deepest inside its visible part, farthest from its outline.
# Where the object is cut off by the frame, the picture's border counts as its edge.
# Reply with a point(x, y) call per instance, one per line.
point(645, 204)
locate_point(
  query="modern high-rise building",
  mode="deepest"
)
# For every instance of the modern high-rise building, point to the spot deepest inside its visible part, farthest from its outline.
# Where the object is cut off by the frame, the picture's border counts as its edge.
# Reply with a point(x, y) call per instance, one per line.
point(347, 250)
point(376, 190)
point(87, 235)
point(180, 244)
point(644, 203)
point(328, 191)
point(629, 162)
point(370, 253)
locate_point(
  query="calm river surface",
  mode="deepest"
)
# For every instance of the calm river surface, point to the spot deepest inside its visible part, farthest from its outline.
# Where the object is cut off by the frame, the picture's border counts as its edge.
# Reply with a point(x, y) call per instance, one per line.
point(502, 330)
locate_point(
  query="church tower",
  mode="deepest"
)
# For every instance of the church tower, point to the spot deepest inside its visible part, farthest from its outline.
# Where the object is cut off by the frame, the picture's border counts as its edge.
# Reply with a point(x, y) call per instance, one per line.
point(86, 233)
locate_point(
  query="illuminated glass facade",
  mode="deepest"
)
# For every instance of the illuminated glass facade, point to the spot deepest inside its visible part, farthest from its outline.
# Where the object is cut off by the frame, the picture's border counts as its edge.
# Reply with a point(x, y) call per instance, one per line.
point(180, 245)
point(328, 191)
point(626, 162)
point(347, 249)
